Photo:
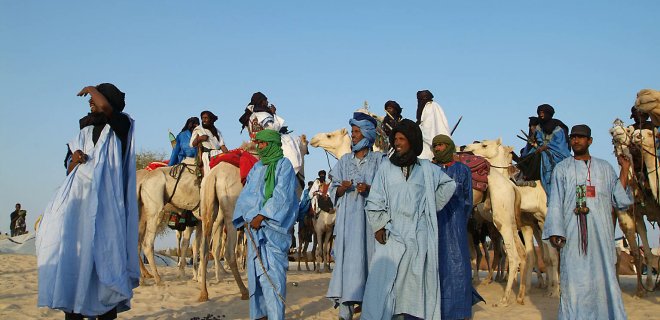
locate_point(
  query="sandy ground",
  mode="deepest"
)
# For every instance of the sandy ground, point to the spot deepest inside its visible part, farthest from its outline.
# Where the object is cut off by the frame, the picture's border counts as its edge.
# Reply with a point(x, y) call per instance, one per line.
point(177, 298)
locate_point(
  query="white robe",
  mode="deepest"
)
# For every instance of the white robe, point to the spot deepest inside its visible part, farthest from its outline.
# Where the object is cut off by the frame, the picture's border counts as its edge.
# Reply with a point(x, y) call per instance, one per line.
point(213, 143)
point(433, 123)
point(290, 143)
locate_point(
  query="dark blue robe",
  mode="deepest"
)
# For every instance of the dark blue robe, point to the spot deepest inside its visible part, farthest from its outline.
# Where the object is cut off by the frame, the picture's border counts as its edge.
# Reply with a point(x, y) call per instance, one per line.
point(458, 295)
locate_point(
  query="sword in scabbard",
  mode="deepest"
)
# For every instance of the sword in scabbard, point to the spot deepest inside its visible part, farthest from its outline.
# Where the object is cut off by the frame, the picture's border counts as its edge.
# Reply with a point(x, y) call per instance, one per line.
point(456, 126)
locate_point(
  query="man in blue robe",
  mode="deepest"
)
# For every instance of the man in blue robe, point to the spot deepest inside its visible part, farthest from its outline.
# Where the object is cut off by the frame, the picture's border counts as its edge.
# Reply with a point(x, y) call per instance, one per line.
point(551, 139)
point(406, 193)
point(267, 208)
point(182, 148)
point(87, 243)
point(458, 295)
point(352, 177)
point(580, 223)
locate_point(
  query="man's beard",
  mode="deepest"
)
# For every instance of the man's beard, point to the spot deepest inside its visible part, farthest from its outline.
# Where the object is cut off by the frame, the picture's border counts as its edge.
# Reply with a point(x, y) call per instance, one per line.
point(403, 159)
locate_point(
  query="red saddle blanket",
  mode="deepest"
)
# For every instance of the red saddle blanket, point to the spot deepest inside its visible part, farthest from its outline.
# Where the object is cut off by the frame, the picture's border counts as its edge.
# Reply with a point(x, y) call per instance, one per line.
point(480, 169)
point(237, 157)
point(157, 164)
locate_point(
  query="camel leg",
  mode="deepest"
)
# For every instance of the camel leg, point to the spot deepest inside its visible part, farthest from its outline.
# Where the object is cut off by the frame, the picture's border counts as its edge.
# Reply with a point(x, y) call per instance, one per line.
point(230, 256)
point(526, 272)
point(219, 248)
point(326, 241)
point(148, 248)
point(144, 273)
point(511, 240)
point(648, 255)
point(204, 249)
point(301, 244)
point(475, 258)
point(183, 250)
point(197, 240)
point(628, 227)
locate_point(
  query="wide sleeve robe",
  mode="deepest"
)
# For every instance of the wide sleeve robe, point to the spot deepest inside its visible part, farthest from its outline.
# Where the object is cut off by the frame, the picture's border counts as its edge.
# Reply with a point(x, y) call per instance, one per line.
point(589, 288)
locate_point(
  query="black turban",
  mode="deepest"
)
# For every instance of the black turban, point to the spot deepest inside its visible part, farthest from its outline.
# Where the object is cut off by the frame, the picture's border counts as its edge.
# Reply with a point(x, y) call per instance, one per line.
point(414, 135)
point(547, 109)
point(394, 105)
point(257, 101)
point(424, 95)
point(113, 95)
point(213, 117)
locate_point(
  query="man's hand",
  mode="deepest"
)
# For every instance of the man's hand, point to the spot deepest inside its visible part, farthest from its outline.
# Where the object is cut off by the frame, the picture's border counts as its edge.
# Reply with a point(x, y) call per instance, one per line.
point(541, 149)
point(78, 157)
point(557, 241)
point(362, 187)
point(85, 91)
point(202, 138)
point(343, 187)
point(623, 161)
point(256, 222)
point(380, 236)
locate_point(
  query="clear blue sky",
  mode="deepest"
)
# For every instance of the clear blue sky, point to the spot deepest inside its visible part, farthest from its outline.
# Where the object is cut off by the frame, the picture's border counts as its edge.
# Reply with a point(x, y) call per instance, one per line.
point(491, 62)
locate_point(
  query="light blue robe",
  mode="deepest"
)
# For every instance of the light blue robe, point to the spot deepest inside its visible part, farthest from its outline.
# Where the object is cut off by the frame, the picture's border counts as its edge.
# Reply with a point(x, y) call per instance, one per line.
point(404, 272)
point(87, 243)
point(272, 239)
point(589, 288)
point(182, 148)
point(557, 151)
point(354, 241)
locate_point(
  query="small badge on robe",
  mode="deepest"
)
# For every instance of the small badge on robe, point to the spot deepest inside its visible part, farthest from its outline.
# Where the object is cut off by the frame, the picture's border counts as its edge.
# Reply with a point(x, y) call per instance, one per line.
point(591, 191)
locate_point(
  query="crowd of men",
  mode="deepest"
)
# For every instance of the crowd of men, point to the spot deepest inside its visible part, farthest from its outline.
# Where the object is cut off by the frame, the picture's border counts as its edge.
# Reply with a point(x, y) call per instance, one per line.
point(400, 245)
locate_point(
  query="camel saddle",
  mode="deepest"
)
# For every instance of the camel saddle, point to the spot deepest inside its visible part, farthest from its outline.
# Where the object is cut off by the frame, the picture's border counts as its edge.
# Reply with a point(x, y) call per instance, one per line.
point(479, 167)
point(237, 157)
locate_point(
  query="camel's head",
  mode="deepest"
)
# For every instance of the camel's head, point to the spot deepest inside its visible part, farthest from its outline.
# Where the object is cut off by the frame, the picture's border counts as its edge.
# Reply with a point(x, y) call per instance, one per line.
point(620, 134)
point(488, 149)
point(334, 142)
point(249, 146)
point(643, 137)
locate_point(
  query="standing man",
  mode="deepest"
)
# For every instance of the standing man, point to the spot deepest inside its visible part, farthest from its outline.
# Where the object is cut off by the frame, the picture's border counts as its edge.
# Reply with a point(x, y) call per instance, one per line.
point(458, 295)
point(352, 177)
point(402, 204)
point(552, 144)
point(580, 223)
point(267, 208)
point(431, 120)
point(209, 138)
point(87, 243)
point(13, 219)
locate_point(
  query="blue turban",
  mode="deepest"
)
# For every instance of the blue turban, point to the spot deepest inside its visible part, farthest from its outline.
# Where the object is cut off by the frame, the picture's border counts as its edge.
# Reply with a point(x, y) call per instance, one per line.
point(367, 125)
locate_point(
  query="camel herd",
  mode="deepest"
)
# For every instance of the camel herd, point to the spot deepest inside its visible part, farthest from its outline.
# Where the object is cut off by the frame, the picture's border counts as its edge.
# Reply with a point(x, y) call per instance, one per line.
point(504, 209)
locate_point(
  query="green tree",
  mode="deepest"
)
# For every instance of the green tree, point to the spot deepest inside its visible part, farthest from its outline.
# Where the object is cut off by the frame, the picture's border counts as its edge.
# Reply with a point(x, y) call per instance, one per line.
point(145, 157)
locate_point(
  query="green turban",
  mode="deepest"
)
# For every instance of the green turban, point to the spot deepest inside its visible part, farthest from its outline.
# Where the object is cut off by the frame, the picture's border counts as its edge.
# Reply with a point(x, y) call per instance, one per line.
point(269, 157)
point(447, 155)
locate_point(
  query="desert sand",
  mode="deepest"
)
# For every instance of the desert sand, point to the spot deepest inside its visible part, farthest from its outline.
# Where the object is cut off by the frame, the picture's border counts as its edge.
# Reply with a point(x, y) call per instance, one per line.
point(177, 298)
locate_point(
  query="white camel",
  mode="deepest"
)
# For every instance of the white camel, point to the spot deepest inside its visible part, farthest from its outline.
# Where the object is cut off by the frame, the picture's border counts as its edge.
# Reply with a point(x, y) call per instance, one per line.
point(156, 190)
point(324, 223)
point(533, 207)
point(631, 221)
